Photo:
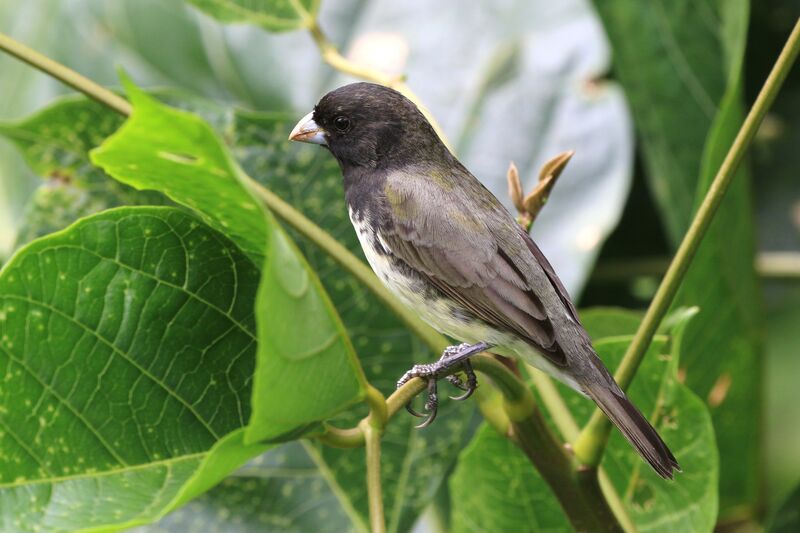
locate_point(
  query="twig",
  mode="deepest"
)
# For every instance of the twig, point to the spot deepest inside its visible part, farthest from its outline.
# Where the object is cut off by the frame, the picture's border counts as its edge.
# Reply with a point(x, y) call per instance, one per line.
point(577, 491)
point(372, 429)
point(64, 74)
point(528, 207)
point(590, 444)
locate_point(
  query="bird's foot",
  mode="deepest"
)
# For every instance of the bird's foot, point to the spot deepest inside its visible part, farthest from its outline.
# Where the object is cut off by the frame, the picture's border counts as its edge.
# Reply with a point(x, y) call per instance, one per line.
point(452, 357)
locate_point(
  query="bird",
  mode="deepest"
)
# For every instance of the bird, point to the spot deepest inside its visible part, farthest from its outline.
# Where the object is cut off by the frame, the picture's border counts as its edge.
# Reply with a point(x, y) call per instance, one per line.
point(448, 249)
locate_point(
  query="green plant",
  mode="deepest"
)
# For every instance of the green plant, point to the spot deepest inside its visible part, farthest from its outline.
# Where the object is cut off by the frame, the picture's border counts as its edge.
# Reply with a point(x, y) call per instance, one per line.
point(201, 336)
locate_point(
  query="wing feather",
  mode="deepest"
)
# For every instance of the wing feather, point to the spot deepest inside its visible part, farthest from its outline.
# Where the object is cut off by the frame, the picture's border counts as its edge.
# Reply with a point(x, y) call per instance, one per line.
point(459, 255)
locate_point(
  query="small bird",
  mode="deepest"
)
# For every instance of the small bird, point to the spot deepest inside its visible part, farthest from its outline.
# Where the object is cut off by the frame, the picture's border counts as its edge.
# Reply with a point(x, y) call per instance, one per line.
point(448, 249)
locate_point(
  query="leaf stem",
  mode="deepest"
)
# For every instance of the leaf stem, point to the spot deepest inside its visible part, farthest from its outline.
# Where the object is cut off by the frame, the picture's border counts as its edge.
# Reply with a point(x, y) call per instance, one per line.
point(372, 430)
point(64, 74)
point(372, 437)
point(592, 441)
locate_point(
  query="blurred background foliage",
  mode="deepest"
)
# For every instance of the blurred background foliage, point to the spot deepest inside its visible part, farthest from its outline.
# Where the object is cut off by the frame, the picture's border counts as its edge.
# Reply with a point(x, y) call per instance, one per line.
point(648, 95)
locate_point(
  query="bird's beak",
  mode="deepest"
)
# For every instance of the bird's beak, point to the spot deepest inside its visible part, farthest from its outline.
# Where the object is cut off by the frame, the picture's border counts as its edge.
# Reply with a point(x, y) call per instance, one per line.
point(307, 131)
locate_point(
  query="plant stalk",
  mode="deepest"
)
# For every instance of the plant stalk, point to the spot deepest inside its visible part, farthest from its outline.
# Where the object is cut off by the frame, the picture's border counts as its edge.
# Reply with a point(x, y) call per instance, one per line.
point(372, 438)
point(66, 75)
point(592, 441)
point(372, 429)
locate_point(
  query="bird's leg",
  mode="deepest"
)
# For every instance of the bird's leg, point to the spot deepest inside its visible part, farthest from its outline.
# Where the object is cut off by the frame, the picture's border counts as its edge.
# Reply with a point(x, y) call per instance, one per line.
point(452, 356)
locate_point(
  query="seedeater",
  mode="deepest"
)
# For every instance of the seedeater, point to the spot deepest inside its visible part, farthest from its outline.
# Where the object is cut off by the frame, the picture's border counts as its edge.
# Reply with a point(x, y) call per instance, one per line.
point(448, 249)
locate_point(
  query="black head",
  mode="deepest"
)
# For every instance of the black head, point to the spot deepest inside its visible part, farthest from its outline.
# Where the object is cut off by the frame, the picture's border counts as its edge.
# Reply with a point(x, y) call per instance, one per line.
point(370, 126)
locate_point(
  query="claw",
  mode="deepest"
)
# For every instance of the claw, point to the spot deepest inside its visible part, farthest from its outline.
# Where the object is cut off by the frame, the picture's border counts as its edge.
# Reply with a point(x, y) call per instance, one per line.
point(428, 421)
point(431, 404)
point(452, 357)
point(464, 396)
point(472, 383)
point(412, 411)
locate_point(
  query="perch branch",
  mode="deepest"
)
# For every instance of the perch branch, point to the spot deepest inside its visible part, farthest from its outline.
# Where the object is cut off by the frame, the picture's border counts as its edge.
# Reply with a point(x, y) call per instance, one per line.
point(66, 75)
point(372, 429)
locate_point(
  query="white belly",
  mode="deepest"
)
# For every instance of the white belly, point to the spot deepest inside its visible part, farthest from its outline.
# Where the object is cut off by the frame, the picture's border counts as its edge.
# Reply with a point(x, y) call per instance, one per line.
point(439, 313)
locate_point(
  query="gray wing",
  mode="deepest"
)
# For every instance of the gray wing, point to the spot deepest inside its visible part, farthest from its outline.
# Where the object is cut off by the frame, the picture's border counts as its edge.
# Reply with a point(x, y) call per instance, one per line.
point(485, 263)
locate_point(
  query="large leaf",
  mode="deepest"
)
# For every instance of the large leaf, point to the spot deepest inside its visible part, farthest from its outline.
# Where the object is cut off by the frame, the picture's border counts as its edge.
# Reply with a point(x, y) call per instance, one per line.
point(180, 155)
point(495, 488)
point(684, 88)
point(55, 143)
point(273, 15)
point(688, 503)
point(665, 54)
point(128, 344)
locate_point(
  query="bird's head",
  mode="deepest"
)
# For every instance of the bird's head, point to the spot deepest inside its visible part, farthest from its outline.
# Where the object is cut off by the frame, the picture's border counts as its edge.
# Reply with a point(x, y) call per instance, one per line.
point(370, 126)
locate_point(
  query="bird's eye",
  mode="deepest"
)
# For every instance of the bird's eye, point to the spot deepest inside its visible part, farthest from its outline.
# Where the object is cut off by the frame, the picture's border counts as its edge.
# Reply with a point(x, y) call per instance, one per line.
point(341, 123)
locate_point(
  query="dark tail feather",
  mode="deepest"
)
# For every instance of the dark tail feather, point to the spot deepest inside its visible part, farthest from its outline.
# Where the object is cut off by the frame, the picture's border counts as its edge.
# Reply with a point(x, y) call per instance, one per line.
point(635, 427)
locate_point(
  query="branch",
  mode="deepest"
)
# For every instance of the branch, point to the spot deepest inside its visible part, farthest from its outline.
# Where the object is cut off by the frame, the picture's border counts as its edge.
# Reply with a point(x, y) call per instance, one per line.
point(592, 441)
point(68, 76)
point(372, 430)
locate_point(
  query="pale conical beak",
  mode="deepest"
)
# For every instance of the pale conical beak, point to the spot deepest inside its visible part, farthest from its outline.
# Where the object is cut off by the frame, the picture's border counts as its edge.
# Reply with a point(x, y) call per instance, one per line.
point(307, 131)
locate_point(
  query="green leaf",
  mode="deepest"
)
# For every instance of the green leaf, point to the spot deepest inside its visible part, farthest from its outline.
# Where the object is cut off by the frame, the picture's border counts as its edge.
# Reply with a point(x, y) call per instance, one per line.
point(56, 204)
point(490, 466)
point(495, 488)
point(610, 321)
point(307, 369)
point(178, 154)
point(685, 90)
point(690, 502)
point(272, 15)
point(127, 343)
point(55, 142)
point(685, 72)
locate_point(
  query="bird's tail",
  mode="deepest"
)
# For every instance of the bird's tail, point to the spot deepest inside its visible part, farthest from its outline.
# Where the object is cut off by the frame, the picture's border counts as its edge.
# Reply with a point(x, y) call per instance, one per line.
point(633, 425)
